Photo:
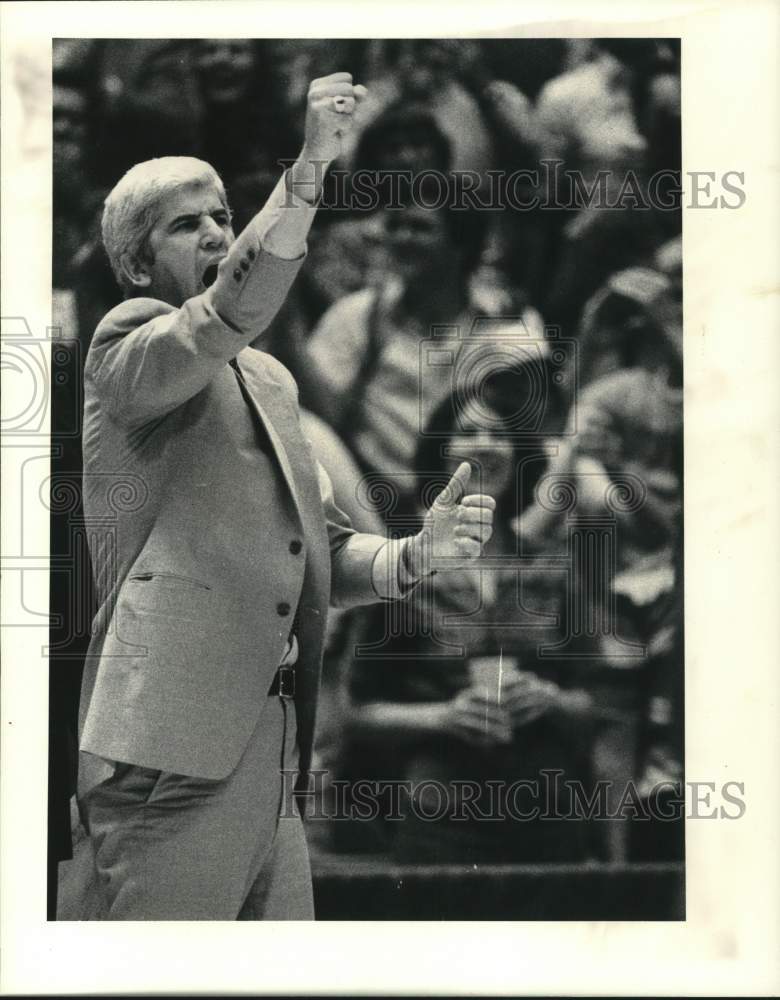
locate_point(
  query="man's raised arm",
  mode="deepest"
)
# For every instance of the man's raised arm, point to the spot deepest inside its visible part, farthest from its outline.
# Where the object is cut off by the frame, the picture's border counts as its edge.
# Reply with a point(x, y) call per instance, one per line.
point(148, 356)
point(283, 224)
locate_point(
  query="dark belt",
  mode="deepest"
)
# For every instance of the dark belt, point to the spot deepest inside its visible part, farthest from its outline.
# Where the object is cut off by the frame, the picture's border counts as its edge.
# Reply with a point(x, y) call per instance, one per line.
point(283, 683)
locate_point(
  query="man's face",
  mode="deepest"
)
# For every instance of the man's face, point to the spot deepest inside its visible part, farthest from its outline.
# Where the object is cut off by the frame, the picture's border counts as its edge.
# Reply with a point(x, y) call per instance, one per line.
point(409, 151)
point(425, 66)
point(226, 67)
point(418, 242)
point(192, 235)
point(69, 130)
point(69, 108)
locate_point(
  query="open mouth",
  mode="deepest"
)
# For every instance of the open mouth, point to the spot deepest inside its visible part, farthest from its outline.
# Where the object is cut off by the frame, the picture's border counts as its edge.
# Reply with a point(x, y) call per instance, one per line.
point(210, 275)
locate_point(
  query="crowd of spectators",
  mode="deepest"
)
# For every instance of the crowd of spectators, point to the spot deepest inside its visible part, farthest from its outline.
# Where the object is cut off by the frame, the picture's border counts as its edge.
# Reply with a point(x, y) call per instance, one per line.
point(539, 338)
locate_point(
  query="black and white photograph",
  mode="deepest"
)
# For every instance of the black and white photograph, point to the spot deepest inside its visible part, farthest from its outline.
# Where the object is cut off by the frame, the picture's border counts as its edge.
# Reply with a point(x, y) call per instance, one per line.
point(359, 508)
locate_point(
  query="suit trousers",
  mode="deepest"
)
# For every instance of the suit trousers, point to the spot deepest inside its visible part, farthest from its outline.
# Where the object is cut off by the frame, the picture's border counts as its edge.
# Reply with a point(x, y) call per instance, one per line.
point(171, 847)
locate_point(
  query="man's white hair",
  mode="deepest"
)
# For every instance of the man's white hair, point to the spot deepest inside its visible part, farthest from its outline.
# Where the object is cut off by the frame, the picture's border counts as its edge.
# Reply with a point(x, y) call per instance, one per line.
point(133, 207)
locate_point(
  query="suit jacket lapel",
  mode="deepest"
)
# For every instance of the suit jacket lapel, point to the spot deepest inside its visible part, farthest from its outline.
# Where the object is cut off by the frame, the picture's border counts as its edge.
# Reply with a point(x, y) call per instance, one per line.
point(264, 387)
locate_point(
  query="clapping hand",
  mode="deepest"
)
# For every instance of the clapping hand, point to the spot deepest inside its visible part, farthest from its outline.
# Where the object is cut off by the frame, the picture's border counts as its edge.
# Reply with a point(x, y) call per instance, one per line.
point(476, 719)
point(525, 697)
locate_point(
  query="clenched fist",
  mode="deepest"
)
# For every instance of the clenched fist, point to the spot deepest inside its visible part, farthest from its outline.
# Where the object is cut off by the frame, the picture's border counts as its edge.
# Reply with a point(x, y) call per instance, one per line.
point(455, 528)
point(330, 106)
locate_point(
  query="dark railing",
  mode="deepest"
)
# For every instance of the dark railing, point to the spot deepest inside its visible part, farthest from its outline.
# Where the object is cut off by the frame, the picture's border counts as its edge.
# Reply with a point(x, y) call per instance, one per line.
point(364, 888)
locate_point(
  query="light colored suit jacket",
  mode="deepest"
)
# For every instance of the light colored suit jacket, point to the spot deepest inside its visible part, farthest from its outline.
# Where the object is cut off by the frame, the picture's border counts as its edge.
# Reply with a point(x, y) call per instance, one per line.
point(209, 523)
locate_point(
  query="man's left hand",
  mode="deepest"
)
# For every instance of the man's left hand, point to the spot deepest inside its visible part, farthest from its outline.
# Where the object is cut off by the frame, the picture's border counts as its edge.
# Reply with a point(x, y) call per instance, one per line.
point(455, 528)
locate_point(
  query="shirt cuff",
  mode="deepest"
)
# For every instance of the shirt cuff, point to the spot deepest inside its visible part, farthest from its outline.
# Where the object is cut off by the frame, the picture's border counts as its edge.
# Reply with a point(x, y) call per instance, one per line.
point(284, 222)
point(390, 578)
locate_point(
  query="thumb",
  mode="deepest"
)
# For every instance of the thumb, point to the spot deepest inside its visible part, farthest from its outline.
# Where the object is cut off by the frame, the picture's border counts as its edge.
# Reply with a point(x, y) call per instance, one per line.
point(455, 489)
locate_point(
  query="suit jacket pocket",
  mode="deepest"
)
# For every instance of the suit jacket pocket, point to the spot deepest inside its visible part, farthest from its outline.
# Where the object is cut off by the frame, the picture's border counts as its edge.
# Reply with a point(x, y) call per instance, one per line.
point(170, 595)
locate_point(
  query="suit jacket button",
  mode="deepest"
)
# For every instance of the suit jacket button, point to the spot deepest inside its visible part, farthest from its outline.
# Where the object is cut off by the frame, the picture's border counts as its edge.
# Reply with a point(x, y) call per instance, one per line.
point(251, 253)
point(244, 264)
point(283, 608)
point(238, 274)
point(295, 546)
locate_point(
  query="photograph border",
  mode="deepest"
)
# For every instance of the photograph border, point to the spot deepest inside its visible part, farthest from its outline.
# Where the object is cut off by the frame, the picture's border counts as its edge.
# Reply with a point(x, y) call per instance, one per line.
point(727, 942)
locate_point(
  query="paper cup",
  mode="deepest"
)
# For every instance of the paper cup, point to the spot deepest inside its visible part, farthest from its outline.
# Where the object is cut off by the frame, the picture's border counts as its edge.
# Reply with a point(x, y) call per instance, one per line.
point(490, 672)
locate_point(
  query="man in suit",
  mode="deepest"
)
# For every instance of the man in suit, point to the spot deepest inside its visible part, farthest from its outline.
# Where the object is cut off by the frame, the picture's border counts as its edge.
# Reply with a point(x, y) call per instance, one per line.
point(216, 548)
